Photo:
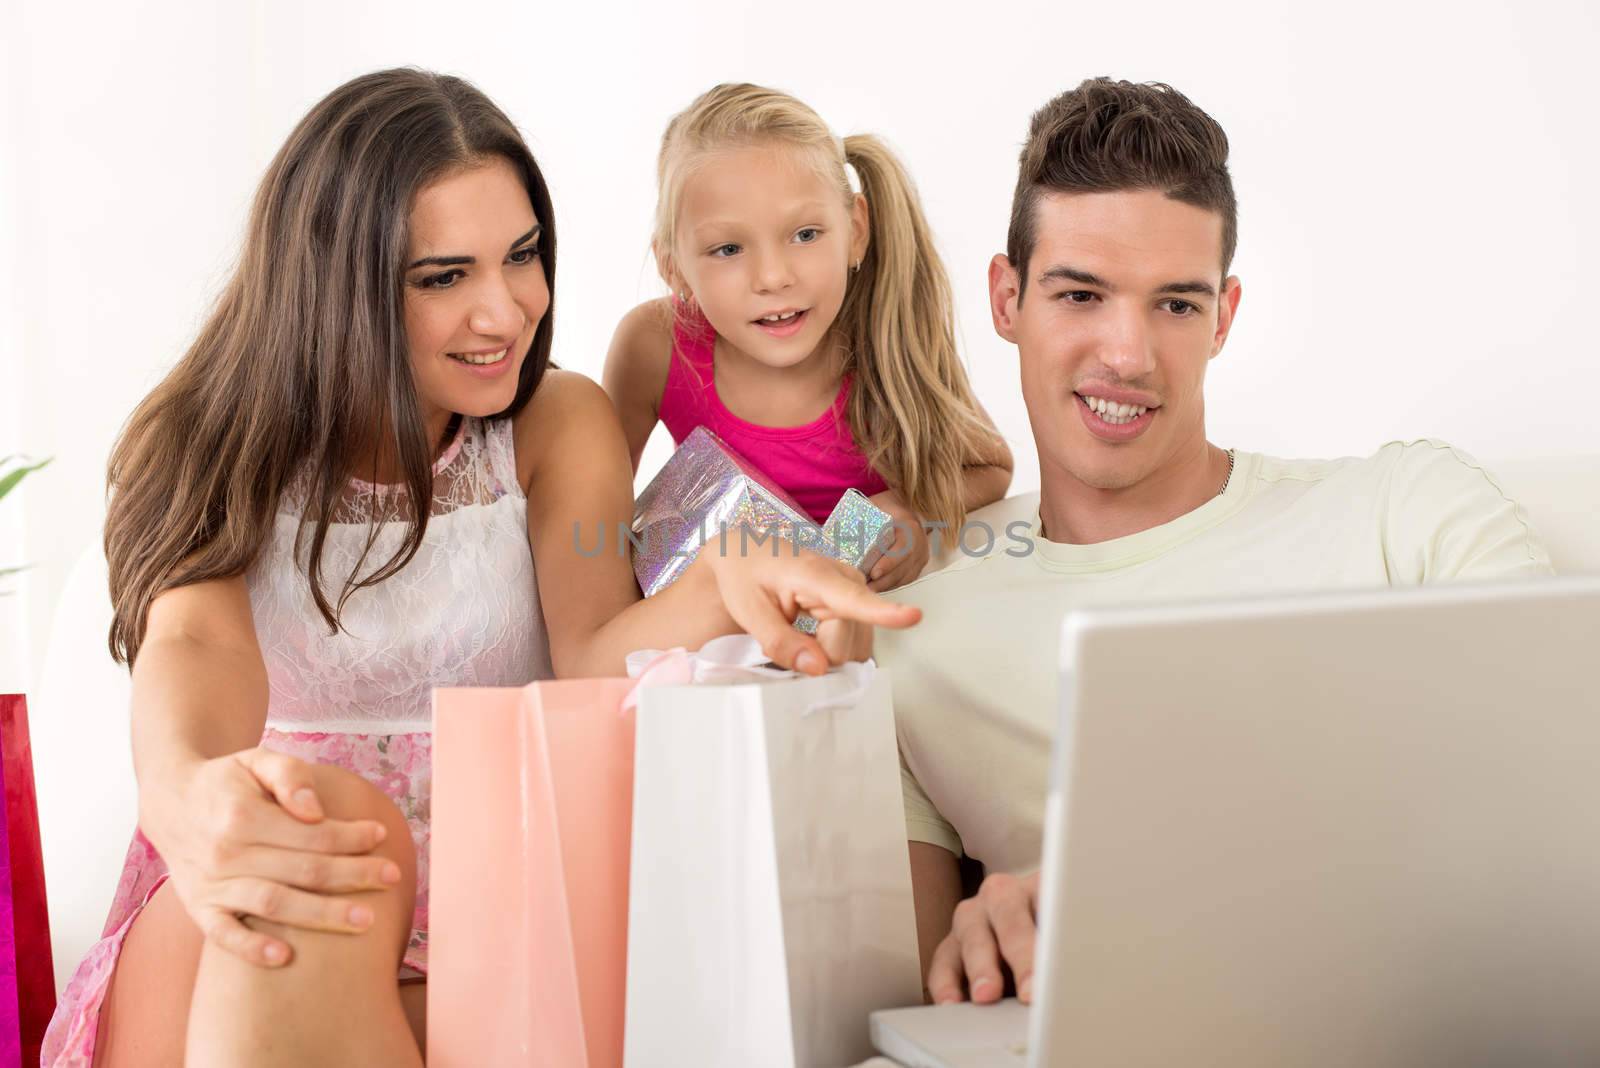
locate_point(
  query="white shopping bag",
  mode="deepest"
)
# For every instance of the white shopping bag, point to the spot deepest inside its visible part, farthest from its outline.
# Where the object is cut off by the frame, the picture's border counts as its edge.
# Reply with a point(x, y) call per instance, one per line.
point(771, 904)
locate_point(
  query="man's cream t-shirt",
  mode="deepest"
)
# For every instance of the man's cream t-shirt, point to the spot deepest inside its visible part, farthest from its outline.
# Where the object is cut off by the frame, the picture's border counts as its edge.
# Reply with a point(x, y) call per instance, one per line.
point(983, 661)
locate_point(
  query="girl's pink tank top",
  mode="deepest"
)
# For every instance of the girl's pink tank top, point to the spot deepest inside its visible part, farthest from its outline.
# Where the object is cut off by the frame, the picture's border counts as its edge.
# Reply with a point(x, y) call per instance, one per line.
point(814, 463)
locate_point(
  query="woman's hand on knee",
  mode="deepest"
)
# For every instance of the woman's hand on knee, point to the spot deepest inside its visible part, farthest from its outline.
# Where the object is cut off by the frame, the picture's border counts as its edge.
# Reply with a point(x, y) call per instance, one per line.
point(244, 835)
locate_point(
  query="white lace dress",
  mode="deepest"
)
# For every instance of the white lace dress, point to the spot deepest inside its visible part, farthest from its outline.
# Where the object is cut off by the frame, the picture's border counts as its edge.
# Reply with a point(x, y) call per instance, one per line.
point(463, 612)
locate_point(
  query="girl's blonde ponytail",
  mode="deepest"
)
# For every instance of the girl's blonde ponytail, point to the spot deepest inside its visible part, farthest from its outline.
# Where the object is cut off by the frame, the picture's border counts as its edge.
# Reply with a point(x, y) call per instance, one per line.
point(912, 409)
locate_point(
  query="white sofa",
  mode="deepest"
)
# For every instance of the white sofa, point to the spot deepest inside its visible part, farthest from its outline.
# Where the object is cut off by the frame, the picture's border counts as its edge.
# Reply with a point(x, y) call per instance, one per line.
point(79, 713)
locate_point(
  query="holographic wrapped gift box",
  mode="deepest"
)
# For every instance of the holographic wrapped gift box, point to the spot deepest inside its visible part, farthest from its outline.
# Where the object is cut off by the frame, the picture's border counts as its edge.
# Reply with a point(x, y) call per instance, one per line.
point(707, 493)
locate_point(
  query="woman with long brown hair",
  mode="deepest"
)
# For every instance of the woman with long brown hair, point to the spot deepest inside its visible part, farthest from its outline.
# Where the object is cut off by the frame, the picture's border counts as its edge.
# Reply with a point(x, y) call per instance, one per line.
point(334, 503)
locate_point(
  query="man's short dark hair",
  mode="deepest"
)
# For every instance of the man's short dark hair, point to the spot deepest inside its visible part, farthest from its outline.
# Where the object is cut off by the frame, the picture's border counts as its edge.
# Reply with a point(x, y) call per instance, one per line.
point(1110, 136)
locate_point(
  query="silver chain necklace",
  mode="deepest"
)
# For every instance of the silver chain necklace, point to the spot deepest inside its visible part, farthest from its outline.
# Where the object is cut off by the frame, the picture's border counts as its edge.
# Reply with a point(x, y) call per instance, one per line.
point(1227, 477)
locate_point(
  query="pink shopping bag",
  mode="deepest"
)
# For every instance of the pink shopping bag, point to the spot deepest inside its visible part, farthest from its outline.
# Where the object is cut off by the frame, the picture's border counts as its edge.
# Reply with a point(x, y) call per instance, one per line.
point(27, 976)
point(532, 815)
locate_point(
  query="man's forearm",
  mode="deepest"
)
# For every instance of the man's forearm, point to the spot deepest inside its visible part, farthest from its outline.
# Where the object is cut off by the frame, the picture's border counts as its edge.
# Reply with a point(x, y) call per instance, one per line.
point(936, 890)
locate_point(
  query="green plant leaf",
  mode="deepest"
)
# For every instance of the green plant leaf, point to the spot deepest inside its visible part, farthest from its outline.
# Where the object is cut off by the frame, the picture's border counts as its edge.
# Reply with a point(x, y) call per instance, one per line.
point(8, 481)
point(6, 572)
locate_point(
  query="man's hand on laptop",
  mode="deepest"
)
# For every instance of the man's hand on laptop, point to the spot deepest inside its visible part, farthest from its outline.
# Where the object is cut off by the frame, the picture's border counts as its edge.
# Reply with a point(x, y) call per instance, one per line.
point(994, 927)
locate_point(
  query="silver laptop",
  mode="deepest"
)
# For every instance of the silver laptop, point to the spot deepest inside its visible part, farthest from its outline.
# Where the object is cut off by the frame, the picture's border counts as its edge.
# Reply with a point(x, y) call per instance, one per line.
point(1324, 830)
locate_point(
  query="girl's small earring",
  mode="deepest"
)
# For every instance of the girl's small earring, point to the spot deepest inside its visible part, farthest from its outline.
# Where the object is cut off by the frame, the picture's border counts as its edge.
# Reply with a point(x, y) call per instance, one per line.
point(855, 267)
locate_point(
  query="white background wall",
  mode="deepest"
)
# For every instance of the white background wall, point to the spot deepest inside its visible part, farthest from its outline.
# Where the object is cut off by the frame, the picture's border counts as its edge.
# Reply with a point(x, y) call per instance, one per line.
point(1416, 184)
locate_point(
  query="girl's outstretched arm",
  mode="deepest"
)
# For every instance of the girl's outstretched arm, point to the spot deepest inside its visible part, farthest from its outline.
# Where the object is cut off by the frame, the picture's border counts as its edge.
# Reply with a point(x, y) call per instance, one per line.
point(580, 495)
point(636, 370)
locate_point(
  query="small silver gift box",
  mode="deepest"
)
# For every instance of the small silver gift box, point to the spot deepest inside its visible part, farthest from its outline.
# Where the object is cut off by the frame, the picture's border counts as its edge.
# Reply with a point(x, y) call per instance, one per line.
point(708, 494)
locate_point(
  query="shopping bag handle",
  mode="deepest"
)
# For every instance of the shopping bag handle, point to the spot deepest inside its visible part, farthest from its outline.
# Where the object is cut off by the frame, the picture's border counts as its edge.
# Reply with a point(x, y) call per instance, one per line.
point(732, 658)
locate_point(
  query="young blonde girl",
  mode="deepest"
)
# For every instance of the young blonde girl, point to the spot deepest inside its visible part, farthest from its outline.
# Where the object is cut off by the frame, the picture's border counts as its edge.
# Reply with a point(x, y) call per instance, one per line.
point(810, 325)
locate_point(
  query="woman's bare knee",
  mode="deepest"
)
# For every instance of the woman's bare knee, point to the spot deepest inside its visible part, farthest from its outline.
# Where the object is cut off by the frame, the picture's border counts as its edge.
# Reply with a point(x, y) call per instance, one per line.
point(345, 795)
point(340, 989)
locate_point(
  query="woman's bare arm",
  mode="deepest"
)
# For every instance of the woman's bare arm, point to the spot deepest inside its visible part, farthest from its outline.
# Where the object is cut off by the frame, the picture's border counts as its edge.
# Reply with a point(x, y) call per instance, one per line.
point(199, 684)
point(234, 822)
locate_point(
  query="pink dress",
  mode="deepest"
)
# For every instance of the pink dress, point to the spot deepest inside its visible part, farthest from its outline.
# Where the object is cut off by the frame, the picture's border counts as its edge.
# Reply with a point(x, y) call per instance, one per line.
point(464, 612)
point(815, 463)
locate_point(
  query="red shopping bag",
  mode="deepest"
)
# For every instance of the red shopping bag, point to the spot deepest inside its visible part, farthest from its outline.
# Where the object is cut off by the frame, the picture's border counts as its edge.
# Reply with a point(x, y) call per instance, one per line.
point(27, 976)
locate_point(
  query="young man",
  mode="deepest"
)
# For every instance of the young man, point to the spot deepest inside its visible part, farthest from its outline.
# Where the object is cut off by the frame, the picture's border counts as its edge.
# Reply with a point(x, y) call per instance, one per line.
point(1115, 290)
